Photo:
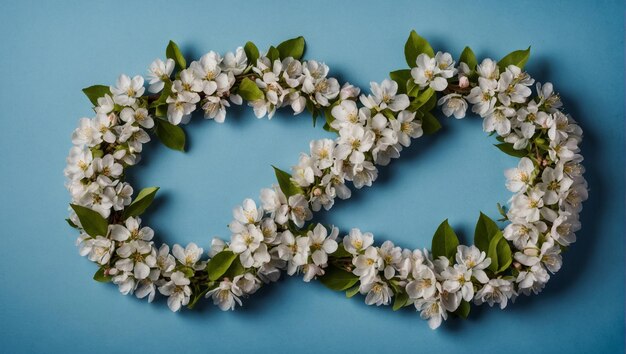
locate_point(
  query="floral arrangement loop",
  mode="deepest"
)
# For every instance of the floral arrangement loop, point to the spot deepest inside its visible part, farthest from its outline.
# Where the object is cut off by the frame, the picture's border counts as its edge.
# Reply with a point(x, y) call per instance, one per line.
point(275, 236)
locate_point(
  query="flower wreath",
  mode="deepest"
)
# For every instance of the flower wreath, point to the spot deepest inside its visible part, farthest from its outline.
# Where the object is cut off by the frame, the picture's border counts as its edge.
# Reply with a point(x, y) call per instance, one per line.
point(275, 236)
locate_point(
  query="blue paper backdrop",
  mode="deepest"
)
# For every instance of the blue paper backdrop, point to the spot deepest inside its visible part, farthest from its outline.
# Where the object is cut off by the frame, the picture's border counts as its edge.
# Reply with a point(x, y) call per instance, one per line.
point(50, 50)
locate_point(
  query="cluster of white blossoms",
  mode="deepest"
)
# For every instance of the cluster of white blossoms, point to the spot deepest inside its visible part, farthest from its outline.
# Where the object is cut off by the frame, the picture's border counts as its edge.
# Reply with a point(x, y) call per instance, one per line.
point(275, 235)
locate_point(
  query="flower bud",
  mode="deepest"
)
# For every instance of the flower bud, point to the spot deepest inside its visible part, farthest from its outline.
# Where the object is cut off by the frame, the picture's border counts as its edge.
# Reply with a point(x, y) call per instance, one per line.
point(463, 82)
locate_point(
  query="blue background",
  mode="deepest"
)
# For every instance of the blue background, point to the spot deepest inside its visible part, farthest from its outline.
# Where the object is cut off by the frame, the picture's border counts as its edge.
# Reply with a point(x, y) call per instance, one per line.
point(50, 50)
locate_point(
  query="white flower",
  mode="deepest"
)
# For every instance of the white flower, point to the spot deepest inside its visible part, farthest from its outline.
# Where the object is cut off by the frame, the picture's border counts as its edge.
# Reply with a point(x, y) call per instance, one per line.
point(321, 245)
point(386, 144)
point(521, 232)
point(453, 104)
point(391, 256)
point(367, 265)
point(356, 241)
point(127, 90)
point(354, 141)
point(165, 261)
point(424, 283)
point(247, 282)
point(496, 291)
point(564, 226)
point(474, 260)
point(527, 205)
point(147, 287)
point(316, 84)
point(346, 113)
point(518, 179)
point(293, 250)
point(179, 109)
point(137, 256)
point(431, 310)
point(121, 196)
point(139, 115)
point(458, 278)
point(86, 133)
point(407, 127)
point(178, 290)
point(247, 242)
point(189, 256)
point(98, 249)
point(95, 199)
point(385, 96)
point(498, 119)
point(104, 123)
point(158, 73)
point(488, 69)
point(483, 96)
point(134, 136)
point(247, 213)
point(304, 173)
point(363, 174)
point(236, 62)
point(322, 152)
point(555, 184)
point(131, 231)
point(532, 280)
point(226, 295)
point(547, 97)
point(378, 292)
point(299, 211)
point(513, 86)
point(433, 72)
point(549, 255)
point(105, 104)
point(275, 202)
point(79, 163)
point(107, 167)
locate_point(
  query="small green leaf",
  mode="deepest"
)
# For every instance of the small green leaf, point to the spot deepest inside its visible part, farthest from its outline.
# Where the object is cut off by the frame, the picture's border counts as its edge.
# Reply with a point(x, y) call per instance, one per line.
point(508, 149)
point(188, 271)
point(285, 183)
point(421, 99)
point(291, 48)
point(430, 124)
point(141, 202)
point(400, 300)
point(468, 57)
point(412, 89)
point(249, 91)
point(415, 46)
point(236, 268)
point(401, 77)
point(517, 58)
point(71, 223)
point(96, 91)
point(463, 310)
point(352, 291)
point(170, 135)
point(92, 222)
point(273, 54)
point(252, 53)
point(486, 229)
point(173, 52)
point(101, 277)
point(219, 264)
point(445, 241)
point(338, 279)
point(500, 253)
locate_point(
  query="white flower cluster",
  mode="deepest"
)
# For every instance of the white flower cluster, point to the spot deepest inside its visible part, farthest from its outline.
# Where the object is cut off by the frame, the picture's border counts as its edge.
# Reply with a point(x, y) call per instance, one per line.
point(274, 236)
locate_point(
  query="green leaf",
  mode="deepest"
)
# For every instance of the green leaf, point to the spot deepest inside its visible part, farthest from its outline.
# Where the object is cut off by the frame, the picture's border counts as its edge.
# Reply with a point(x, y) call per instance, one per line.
point(412, 89)
point(445, 241)
point(188, 271)
point(430, 124)
point(508, 149)
point(141, 202)
point(170, 135)
point(292, 48)
point(249, 91)
point(101, 277)
point(517, 58)
point(500, 253)
point(173, 52)
point(92, 222)
point(400, 300)
point(338, 279)
point(486, 229)
point(252, 53)
point(463, 310)
point(273, 54)
point(71, 223)
point(468, 57)
point(401, 77)
point(285, 183)
point(236, 268)
point(421, 99)
point(415, 46)
point(219, 264)
point(96, 91)
point(352, 291)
